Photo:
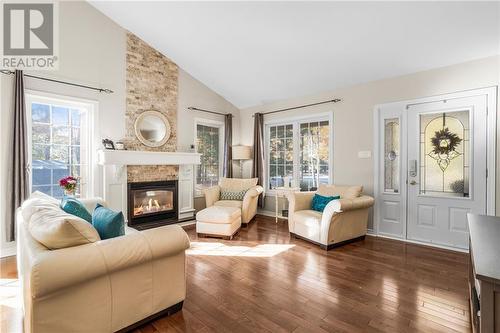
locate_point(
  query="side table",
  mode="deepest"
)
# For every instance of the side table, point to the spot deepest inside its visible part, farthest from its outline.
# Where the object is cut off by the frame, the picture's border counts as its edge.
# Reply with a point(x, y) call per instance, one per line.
point(281, 192)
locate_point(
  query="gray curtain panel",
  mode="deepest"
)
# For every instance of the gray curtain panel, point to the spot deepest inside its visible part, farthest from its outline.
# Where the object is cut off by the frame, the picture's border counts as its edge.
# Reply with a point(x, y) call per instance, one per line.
point(227, 167)
point(258, 152)
point(19, 179)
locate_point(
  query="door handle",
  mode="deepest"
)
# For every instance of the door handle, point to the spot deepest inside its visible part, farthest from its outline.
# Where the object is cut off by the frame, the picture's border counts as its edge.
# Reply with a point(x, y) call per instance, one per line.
point(413, 182)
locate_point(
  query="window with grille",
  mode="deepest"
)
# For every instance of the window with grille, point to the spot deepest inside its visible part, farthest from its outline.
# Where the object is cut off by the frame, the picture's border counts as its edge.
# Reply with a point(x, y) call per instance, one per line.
point(60, 143)
point(209, 145)
point(299, 152)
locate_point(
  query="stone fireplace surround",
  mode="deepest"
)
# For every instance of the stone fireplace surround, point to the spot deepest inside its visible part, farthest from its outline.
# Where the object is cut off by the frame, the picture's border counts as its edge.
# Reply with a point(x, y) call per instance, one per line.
point(151, 84)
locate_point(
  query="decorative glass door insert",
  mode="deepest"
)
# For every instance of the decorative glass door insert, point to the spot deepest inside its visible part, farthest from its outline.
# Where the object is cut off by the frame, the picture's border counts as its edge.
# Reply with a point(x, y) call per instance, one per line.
point(444, 154)
point(391, 155)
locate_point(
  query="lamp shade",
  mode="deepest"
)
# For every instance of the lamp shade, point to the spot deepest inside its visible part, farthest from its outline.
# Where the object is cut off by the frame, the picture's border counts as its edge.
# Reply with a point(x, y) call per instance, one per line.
point(242, 153)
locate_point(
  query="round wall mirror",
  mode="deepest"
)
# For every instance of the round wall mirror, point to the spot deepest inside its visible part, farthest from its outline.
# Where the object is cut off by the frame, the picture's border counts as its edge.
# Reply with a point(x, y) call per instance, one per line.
point(152, 128)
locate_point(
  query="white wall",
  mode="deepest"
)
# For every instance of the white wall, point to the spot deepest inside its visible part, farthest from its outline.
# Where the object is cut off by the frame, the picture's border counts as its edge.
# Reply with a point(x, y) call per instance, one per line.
point(92, 52)
point(353, 116)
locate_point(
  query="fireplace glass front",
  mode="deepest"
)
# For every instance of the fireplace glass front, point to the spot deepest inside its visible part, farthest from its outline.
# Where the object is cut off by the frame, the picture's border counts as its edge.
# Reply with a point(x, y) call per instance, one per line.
point(150, 202)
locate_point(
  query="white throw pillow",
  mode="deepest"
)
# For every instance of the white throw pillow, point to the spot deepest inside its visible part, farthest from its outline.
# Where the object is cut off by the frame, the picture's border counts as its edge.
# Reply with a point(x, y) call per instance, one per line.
point(56, 229)
point(36, 202)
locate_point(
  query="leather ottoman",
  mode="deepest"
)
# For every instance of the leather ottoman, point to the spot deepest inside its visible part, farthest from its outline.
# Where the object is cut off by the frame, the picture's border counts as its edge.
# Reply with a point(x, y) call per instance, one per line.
point(218, 221)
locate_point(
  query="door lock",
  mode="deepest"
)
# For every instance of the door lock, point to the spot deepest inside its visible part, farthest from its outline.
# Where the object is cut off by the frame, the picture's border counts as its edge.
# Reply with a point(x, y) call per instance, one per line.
point(413, 168)
point(413, 182)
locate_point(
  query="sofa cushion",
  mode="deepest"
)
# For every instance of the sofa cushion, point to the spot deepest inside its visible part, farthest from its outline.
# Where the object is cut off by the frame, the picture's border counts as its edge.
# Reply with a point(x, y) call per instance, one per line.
point(75, 207)
point(307, 224)
point(232, 195)
point(36, 202)
point(218, 214)
point(229, 203)
point(237, 184)
point(345, 192)
point(56, 229)
point(307, 217)
point(108, 223)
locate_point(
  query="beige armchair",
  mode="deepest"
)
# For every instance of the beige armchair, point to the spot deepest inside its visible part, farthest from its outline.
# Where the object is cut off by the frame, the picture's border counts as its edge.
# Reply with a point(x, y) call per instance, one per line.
point(342, 221)
point(248, 205)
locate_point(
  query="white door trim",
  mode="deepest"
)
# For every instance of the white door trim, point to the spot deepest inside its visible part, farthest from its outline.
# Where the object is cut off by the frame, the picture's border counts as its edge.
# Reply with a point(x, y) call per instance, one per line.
point(491, 95)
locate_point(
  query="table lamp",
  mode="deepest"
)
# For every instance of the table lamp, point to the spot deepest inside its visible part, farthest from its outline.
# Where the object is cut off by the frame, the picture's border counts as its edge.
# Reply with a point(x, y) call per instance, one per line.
point(241, 153)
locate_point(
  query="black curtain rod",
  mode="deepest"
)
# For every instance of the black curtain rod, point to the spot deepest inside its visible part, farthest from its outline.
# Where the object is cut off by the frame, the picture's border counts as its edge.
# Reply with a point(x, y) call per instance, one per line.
point(335, 100)
point(107, 91)
point(192, 108)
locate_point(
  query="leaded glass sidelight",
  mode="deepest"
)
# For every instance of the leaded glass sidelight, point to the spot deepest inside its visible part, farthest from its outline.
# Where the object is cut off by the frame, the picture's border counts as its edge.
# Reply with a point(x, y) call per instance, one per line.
point(444, 154)
point(391, 155)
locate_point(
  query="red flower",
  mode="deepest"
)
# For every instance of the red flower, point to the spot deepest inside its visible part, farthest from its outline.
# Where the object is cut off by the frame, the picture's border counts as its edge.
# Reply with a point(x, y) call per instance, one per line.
point(68, 183)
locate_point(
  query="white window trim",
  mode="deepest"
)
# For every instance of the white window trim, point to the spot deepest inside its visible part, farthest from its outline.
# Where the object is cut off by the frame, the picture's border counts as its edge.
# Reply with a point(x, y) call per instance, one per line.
point(296, 147)
point(220, 126)
point(92, 106)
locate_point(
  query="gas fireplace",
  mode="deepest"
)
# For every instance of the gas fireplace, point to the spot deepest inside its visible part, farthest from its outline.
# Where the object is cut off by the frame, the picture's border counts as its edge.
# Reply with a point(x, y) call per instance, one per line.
point(152, 203)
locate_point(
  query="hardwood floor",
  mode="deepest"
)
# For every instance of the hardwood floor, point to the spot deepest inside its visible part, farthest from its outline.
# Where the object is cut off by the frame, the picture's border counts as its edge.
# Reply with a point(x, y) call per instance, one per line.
point(262, 281)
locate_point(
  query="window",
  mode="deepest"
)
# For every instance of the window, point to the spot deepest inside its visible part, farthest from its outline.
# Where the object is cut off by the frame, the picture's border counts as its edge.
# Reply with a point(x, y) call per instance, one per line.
point(280, 154)
point(299, 153)
point(314, 154)
point(60, 142)
point(209, 140)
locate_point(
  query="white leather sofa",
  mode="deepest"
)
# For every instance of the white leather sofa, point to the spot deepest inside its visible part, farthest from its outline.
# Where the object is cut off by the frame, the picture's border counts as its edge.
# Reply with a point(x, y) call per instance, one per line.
point(342, 221)
point(249, 204)
point(103, 286)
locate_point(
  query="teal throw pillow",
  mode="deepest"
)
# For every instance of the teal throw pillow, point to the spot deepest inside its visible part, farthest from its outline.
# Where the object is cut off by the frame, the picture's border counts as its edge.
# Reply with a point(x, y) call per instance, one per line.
point(319, 202)
point(75, 207)
point(108, 223)
point(232, 195)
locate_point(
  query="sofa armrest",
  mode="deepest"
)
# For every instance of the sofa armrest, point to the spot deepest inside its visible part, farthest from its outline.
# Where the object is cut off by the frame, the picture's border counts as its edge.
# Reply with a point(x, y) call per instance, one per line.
point(361, 202)
point(59, 269)
point(332, 208)
point(212, 194)
point(249, 204)
point(91, 203)
point(253, 192)
point(178, 240)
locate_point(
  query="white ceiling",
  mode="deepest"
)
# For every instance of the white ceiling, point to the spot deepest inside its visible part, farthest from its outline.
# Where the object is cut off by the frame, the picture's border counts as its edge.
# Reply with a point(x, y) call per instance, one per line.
point(257, 52)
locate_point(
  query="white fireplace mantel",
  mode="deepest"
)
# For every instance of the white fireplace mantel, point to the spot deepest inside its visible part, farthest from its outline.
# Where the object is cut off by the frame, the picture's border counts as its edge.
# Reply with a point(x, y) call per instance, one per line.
point(133, 157)
point(115, 162)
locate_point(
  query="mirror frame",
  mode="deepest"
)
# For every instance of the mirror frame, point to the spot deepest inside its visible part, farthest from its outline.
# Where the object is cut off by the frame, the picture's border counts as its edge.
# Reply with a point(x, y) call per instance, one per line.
point(138, 132)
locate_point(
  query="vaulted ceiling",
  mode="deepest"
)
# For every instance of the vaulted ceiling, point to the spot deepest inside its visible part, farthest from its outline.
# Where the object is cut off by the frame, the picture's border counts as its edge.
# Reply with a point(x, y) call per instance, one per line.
point(258, 52)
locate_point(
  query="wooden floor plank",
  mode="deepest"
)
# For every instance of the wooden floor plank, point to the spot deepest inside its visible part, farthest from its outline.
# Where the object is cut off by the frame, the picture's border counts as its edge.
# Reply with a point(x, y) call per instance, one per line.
point(263, 281)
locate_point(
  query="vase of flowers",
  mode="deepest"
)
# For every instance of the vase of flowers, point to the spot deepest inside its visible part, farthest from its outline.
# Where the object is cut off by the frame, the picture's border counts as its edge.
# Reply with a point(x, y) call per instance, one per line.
point(69, 185)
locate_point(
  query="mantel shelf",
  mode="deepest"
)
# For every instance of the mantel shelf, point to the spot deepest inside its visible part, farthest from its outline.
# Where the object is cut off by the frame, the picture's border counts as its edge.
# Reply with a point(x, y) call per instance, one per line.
point(133, 157)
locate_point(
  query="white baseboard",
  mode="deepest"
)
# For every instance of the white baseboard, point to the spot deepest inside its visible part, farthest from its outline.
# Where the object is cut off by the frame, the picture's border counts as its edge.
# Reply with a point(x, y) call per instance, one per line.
point(270, 214)
point(266, 213)
point(444, 247)
point(185, 223)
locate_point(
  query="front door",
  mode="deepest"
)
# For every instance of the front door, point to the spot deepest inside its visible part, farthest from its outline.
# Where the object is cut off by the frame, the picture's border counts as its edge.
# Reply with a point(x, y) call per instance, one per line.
point(446, 169)
point(431, 168)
